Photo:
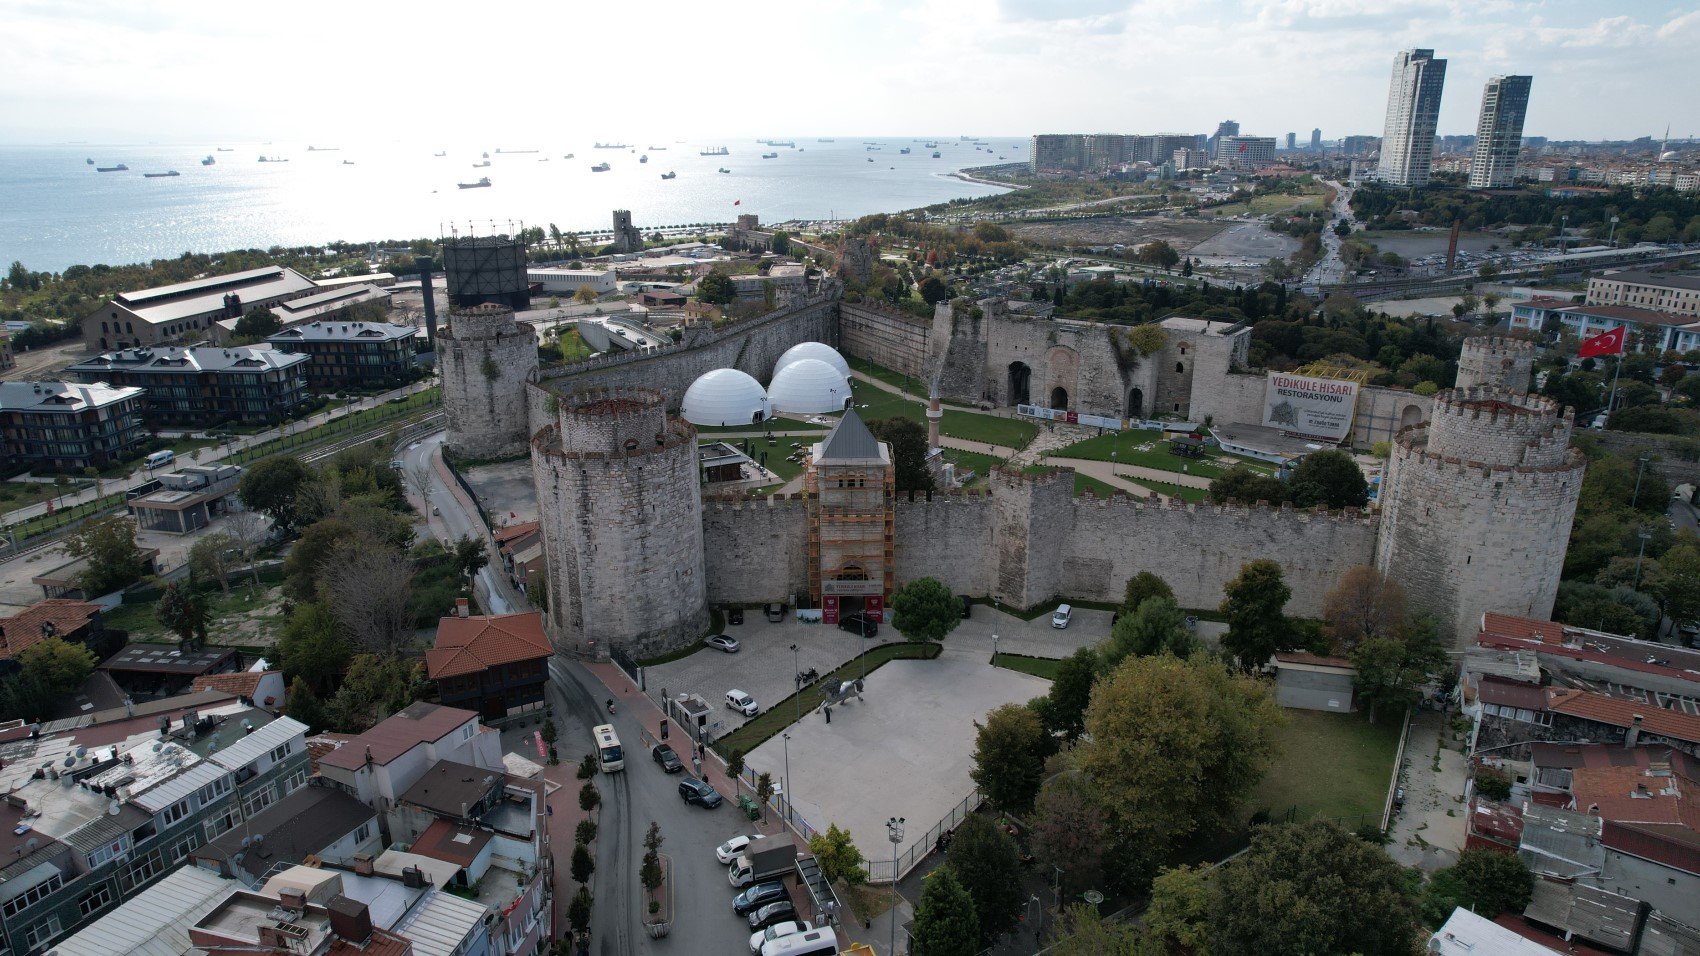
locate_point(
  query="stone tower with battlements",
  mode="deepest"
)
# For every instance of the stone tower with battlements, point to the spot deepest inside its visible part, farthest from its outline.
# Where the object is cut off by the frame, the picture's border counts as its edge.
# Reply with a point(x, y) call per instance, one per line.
point(1477, 507)
point(621, 515)
point(1496, 362)
point(486, 360)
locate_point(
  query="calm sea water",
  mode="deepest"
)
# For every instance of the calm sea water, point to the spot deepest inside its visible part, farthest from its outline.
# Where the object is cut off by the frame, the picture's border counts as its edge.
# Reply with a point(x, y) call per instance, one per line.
point(56, 210)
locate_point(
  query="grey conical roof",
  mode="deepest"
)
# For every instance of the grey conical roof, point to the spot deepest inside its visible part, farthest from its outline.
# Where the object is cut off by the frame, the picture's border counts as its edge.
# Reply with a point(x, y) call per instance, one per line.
point(850, 440)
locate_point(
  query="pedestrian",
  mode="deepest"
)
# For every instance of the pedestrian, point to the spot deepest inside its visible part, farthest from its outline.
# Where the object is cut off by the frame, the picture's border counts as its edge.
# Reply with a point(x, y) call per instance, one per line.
point(829, 715)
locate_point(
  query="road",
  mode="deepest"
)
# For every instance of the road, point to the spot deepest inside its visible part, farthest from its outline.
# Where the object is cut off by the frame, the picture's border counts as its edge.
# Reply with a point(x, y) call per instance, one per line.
point(447, 520)
point(1329, 268)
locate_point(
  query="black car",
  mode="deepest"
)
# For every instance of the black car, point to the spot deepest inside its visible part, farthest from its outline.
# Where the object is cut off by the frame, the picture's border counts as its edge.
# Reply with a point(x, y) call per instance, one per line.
point(859, 623)
point(772, 913)
point(692, 790)
point(734, 615)
point(668, 760)
point(758, 896)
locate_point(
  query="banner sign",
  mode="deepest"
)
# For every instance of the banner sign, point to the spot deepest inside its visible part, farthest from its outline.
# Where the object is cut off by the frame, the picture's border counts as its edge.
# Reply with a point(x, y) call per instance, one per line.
point(1305, 407)
point(874, 607)
point(829, 608)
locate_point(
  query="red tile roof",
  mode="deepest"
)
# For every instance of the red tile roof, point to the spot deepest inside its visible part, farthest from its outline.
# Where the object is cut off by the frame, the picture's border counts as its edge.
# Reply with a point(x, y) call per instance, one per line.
point(1622, 713)
point(243, 684)
point(512, 531)
point(1630, 794)
point(1492, 690)
point(24, 629)
point(1315, 660)
point(1502, 822)
point(1500, 627)
point(467, 645)
point(451, 843)
point(1578, 644)
point(416, 724)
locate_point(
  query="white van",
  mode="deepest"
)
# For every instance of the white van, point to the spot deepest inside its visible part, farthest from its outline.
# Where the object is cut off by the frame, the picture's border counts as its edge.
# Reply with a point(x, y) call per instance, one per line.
point(818, 942)
point(1063, 615)
point(160, 459)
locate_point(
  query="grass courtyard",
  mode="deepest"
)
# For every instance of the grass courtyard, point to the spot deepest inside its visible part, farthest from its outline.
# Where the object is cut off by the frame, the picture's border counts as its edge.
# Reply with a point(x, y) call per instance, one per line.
point(873, 402)
point(1328, 765)
point(1151, 450)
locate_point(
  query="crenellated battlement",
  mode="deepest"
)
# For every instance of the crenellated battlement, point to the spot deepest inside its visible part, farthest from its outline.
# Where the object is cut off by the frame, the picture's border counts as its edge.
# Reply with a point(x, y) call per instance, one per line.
point(1232, 508)
point(1499, 346)
point(1494, 426)
point(479, 322)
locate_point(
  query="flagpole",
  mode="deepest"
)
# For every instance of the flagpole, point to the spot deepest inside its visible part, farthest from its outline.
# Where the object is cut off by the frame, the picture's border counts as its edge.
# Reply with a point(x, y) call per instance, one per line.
point(1611, 402)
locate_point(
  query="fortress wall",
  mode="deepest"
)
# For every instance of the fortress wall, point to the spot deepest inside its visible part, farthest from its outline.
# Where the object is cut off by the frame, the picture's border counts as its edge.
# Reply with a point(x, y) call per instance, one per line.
point(886, 337)
point(758, 549)
point(947, 537)
point(1234, 399)
point(1381, 412)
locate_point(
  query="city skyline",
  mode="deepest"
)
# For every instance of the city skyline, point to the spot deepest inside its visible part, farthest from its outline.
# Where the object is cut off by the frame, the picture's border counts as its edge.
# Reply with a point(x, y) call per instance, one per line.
point(196, 71)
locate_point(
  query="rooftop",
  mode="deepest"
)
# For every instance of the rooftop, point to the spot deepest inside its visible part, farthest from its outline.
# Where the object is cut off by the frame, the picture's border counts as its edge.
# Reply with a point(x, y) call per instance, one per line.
point(1624, 713)
point(190, 358)
point(418, 723)
point(166, 659)
point(243, 684)
point(344, 332)
point(451, 843)
point(850, 441)
point(201, 296)
point(452, 789)
point(303, 823)
point(1626, 313)
point(328, 300)
point(468, 645)
point(61, 396)
point(1644, 277)
point(1466, 934)
point(154, 922)
point(52, 617)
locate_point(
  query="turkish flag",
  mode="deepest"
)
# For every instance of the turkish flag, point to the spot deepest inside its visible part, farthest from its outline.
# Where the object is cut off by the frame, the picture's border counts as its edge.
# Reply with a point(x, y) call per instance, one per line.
point(1606, 343)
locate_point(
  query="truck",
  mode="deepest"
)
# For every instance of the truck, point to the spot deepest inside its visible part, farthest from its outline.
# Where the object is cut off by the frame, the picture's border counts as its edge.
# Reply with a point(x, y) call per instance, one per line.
point(766, 858)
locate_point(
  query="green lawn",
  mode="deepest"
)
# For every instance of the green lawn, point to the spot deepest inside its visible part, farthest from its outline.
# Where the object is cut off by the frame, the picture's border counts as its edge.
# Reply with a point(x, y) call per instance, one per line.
point(981, 465)
point(873, 402)
point(890, 377)
point(226, 612)
point(1150, 449)
point(1037, 666)
point(776, 423)
point(22, 494)
point(780, 715)
point(1274, 203)
point(1103, 489)
point(1328, 765)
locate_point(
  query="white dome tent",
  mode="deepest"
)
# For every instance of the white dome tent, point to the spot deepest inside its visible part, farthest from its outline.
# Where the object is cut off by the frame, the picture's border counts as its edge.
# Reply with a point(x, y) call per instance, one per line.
point(813, 350)
point(808, 387)
point(724, 396)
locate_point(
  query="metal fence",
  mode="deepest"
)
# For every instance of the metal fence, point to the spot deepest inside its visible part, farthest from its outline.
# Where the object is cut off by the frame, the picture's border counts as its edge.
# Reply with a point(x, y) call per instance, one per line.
point(779, 804)
point(884, 871)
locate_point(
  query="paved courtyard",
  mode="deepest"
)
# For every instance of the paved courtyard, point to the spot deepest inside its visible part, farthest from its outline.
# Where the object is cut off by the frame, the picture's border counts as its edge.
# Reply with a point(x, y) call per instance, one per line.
point(905, 750)
point(505, 490)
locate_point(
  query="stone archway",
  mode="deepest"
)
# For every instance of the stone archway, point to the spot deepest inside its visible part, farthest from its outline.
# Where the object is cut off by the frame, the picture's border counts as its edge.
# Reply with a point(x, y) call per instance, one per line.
point(1135, 403)
point(1410, 415)
point(1020, 381)
point(1059, 398)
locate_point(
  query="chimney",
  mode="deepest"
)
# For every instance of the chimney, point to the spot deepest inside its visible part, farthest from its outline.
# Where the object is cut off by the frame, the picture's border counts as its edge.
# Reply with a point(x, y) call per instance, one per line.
point(426, 292)
point(1632, 736)
point(412, 877)
point(363, 864)
point(350, 919)
point(462, 608)
point(292, 899)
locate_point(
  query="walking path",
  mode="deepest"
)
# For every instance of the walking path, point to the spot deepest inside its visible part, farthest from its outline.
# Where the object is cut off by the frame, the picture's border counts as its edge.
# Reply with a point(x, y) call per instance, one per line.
point(1098, 469)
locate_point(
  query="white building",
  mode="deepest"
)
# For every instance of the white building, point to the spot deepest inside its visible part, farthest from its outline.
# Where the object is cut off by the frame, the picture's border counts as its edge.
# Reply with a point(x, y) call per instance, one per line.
point(569, 281)
point(1499, 131)
point(1413, 108)
point(379, 765)
point(1245, 152)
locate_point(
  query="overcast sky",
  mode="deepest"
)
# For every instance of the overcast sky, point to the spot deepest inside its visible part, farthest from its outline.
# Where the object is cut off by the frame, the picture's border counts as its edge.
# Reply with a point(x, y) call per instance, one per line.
point(217, 70)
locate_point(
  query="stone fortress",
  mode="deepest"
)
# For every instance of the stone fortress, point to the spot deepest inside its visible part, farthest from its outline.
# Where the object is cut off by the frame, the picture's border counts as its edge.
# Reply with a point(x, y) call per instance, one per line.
point(1475, 512)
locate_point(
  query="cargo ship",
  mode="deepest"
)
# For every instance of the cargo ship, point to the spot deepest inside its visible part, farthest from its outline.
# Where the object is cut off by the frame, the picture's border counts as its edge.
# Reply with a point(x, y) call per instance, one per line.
point(715, 151)
point(477, 185)
point(600, 168)
point(165, 175)
point(111, 169)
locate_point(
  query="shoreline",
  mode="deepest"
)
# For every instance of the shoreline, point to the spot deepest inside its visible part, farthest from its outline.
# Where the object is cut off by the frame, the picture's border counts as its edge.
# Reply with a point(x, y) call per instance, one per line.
point(964, 175)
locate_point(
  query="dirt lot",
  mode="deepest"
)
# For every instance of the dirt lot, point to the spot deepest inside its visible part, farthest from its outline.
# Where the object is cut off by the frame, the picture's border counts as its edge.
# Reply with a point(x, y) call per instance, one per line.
point(44, 362)
point(1183, 234)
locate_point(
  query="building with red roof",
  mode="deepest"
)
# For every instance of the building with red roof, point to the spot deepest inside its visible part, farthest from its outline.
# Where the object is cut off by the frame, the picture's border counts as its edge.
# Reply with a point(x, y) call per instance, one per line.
point(262, 688)
point(494, 664)
point(76, 621)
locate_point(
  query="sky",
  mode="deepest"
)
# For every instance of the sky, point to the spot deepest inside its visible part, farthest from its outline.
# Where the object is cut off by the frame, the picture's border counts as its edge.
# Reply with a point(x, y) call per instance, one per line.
point(217, 70)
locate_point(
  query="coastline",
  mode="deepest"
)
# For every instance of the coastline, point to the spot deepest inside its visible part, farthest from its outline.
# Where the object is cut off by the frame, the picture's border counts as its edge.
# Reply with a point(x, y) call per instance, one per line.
point(964, 175)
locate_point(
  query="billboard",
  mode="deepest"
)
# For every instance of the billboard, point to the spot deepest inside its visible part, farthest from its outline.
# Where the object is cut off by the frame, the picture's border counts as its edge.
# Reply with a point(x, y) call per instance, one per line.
point(1306, 407)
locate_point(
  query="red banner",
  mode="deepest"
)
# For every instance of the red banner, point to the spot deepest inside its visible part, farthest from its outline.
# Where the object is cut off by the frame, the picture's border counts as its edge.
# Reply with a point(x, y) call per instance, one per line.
point(874, 607)
point(829, 608)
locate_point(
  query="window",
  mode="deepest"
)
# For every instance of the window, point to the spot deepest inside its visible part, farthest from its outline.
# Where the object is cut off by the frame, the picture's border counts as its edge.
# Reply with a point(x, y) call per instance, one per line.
point(33, 895)
point(106, 854)
point(183, 847)
point(279, 752)
point(141, 871)
point(95, 900)
point(364, 833)
point(258, 800)
point(296, 781)
point(175, 812)
point(42, 933)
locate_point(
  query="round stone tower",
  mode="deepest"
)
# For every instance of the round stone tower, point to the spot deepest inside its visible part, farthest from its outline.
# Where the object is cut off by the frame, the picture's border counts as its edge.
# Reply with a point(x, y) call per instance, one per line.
point(1477, 507)
point(1495, 362)
point(621, 515)
point(486, 359)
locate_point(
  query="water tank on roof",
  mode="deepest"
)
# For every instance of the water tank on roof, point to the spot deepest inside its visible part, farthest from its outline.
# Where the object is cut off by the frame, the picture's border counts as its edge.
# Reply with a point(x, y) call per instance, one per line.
point(808, 387)
point(724, 396)
point(813, 350)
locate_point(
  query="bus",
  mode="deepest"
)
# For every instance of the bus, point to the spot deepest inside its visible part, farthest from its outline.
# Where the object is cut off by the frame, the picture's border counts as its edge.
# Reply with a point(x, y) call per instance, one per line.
point(608, 752)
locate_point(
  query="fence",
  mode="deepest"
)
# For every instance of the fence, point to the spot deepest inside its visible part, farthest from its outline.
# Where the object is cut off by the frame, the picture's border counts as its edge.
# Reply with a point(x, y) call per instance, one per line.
point(882, 871)
point(780, 804)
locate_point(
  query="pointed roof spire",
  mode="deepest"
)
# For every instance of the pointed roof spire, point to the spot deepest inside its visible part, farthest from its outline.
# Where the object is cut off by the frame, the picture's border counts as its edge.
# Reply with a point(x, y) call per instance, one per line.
point(850, 440)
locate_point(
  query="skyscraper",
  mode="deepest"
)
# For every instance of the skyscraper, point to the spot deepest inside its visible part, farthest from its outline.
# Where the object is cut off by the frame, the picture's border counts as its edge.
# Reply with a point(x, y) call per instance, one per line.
point(1292, 141)
point(1413, 107)
point(1499, 132)
point(1224, 128)
point(1316, 139)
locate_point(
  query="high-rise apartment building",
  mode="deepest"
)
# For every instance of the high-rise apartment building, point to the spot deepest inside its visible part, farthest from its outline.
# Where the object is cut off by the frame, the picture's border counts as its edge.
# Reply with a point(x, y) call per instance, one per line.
point(1359, 145)
point(1223, 129)
point(1104, 150)
point(1316, 139)
point(1245, 152)
point(1413, 107)
point(1292, 141)
point(1499, 132)
point(1058, 151)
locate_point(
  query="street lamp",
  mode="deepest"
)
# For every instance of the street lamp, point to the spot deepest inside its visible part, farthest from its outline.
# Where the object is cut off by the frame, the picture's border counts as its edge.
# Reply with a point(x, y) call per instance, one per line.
point(1611, 239)
point(1563, 227)
point(894, 833)
point(1643, 534)
point(787, 776)
point(994, 647)
point(797, 677)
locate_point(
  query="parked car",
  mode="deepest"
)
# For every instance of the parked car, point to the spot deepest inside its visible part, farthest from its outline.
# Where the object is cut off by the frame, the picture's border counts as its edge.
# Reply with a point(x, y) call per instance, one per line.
point(692, 790)
point(758, 896)
point(728, 851)
point(777, 931)
point(734, 615)
point(1063, 615)
point(742, 703)
point(859, 623)
point(773, 913)
point(775, 613)
point(668, 760)
point(721, 642)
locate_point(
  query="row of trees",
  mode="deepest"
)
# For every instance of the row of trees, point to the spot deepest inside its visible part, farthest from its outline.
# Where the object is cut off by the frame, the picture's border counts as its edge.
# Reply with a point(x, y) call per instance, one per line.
point(1327, 478)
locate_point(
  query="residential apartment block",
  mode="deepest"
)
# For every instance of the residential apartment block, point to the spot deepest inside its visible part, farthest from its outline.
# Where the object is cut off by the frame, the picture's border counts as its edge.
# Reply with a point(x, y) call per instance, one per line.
point(204, 384)
point(363, 354)
point(1499, 132)
point(66, 427)
point(1413, 108)
point(1660, 292)
point(188, 310)
point(1245, 152)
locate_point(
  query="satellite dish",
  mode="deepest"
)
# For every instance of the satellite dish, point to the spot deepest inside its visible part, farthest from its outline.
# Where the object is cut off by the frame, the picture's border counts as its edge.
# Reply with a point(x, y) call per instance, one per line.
point(70, 760)
point(114, 808)
point(156, 746)
point(246, 841)
point(31, 844)
point(82, 752)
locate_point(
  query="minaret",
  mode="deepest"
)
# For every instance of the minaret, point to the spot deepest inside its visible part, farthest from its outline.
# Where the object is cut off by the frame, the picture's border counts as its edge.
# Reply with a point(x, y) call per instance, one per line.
point(935, 412)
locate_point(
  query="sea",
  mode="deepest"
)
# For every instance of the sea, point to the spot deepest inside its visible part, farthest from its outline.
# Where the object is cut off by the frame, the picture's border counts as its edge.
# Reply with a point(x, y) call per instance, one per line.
point(56, 210)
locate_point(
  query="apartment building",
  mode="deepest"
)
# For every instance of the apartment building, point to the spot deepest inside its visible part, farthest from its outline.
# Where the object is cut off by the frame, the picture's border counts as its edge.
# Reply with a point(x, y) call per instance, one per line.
point(59, 426)
point(1658, 291)
point(1245, 152)
point(1413, 109)
point(363, 354)
point(204, 384)
point(1499, 132)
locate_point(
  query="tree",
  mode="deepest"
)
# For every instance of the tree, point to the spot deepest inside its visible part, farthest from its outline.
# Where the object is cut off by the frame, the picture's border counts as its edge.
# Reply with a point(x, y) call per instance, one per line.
point(1329, 478)
point(1159, 253)
point(837, 855)
point(578, 911)
point(304, 705)
point(908, 439)
point(589, 798)
point(1009, 757)
point(1179, 914)
point(312, 648)
point(215, 556)
point(764, 791)
point(716, 288)
point(1070, 831)
point(1158, 627)
point(470, 555)
point(1677, 582)
point(585, 832)
point(183, 612)
point(735, 765)
point(109, 546)
point(649, 872)
point(586, 767)
point(1173, 746)
point(925, 610)
point(1081, 931)
point(60, 665)
point(1253, 602)
point(1141, 586)
point(271, 485)
point(1363, 604)
point(1392, 669)
point(582, 865)
point(1064, 709)
point(1311, 887)
point(934, 290)
point(1485, 882)
point(945, 924)
point(255, 326)
point(369, 586)
point(374, 688)
point(246, 531)
point(988, 865)
point(585, 295)
point(1241, 484)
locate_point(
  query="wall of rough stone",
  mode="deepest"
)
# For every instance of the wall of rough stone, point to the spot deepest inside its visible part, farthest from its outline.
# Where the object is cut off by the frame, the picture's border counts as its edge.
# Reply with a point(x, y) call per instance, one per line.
point(485, 413)
point(759, 549)
point(1381, 412)
point(945, 537)
point(1496, 361)
point(1234, 399)
point(1034, 516)
point(886, 337)
point(1675, 457)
